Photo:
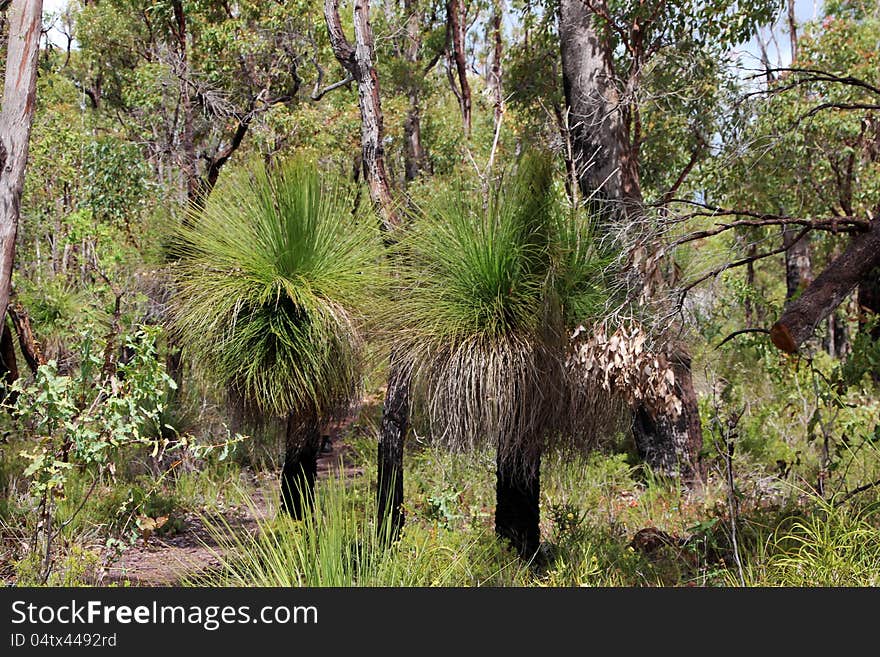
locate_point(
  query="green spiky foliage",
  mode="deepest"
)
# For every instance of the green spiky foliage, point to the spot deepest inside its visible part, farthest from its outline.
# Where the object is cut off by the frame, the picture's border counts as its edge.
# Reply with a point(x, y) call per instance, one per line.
point(273, 281)
point(490, 289)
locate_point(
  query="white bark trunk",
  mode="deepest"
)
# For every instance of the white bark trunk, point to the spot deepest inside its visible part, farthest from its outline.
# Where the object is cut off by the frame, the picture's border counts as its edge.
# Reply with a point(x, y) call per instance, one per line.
point(19, 97)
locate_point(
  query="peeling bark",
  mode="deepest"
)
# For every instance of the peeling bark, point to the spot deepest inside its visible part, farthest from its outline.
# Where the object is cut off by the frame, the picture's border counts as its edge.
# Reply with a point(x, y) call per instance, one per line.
point(19, 98)
point(357, 59)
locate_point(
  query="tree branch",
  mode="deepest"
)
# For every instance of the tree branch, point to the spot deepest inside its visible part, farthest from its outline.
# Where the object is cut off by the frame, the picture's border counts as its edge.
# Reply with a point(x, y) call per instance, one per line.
point(692, 162)
point(834, 225)
point(30, 348)
point(741, 332)
point(318, 95)
point(801, 316)
point(739, 263)
point(809, 75)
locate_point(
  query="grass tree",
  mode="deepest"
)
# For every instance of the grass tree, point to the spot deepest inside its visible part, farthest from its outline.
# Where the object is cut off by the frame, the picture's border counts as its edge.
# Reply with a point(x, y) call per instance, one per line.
point(491, 288)
point(273, 281)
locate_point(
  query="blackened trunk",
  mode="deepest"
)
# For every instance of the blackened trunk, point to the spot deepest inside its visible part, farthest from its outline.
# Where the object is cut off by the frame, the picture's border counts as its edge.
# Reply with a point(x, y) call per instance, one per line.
point(302, 444)
point(869, 309)
point(27, 342)
point(8, 362)
point(869, 303)
point(517, 503)
point(395, 422)
point(174, 363)
point(669, 442)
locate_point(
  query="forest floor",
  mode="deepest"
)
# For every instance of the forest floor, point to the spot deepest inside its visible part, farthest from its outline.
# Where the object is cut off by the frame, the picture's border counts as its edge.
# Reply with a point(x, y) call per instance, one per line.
point(166, 560)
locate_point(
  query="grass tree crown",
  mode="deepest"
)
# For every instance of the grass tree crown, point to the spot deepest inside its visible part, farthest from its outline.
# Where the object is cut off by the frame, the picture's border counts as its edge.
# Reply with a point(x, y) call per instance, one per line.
point(490, 288)
point(274, 279)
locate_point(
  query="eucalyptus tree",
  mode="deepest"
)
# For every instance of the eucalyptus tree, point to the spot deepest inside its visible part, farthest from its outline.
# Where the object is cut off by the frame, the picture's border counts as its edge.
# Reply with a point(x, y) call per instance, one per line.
point(622, 62)
point(189, 81)
point(274, 280)
point(490, 289)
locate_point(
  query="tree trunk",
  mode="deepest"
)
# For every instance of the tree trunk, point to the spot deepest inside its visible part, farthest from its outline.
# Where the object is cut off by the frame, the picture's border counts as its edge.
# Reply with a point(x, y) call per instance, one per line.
point(302, 444)
point(869, 309)
point(595, 123)
point(187, 143)
point(792, 32)
point(800, 317)
point(358, 60)
point(395, 422)
point(798, 263)
point(19, 98)
point(869, 300)
point(750, 285)
point(415, 159)
point(836, 341)
point(27, 342)
point(517, 503)
point(457, 20)
point(494, 80)
point(8, 362)
point(670, 444)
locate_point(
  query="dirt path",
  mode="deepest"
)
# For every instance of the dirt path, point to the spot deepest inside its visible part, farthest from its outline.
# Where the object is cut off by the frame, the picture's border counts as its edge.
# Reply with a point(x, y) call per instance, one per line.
point(163, 561)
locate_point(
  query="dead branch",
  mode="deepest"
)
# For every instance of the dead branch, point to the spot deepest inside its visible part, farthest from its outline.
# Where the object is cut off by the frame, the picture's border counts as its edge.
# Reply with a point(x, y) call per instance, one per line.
point(801, 316)
point(30, 347)
point(738, 263)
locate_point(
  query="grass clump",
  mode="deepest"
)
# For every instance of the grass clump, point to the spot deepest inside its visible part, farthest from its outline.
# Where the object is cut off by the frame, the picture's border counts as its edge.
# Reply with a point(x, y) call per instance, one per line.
point(336, 544)
point(273, 282)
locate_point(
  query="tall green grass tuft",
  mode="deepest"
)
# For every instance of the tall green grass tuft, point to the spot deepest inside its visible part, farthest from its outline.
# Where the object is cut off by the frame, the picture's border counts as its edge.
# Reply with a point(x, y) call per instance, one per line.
point(274, 279)
point(337, 545)
point(834, 546)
